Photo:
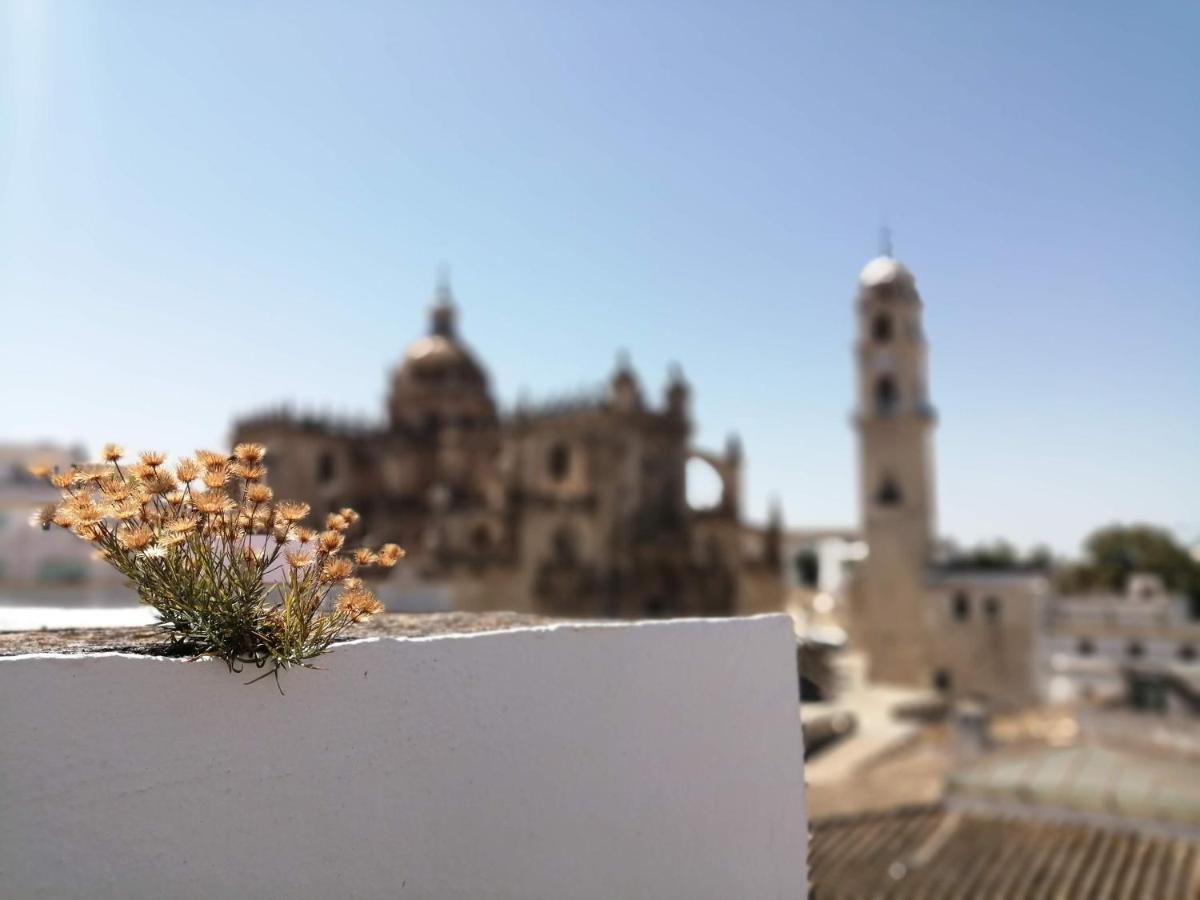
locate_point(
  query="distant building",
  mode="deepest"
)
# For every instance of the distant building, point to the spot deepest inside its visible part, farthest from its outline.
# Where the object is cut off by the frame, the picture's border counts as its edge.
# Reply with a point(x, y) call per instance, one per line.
point(44, 567)
point(575, 508)
point(961, 632)
point(1108, 646)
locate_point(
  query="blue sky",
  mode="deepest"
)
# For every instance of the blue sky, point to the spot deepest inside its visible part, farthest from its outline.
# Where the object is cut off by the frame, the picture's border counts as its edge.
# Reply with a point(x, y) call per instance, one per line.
point(205, 208)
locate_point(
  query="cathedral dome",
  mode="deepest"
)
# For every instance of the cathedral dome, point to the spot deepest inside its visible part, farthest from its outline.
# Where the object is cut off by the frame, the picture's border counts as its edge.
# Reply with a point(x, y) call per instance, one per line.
point(440, 356)
point(883, 271)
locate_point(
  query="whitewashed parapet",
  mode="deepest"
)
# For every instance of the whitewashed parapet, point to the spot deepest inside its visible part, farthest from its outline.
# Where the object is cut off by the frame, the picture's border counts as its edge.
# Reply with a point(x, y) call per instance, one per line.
point(570, 761)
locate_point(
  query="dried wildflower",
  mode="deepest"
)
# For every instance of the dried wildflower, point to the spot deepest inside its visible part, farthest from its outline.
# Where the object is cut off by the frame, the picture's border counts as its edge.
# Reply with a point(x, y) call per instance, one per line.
point(136, 537)
point(43, 516)
point(159, 485)
point(330, 541)
point(210, 459)
point(182, 525)
point(63, 480)
point(335, 569)
point(291, 510)
point(84, 512)
point(259, 493)
point(213, 502)
point(187, 470)
point(190, 555)
point(38, 470)
point(113, 452)
point(282, 532)
point(216, 478)
point(248, 471)
point(152, 458)
point(125, 509)
point(390, 554)
point(250, 453)
point(358, 604)
point(299, 559)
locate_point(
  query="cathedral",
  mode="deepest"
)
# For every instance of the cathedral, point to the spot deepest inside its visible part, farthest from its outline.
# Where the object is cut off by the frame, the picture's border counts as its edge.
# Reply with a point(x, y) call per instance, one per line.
point(575, 509)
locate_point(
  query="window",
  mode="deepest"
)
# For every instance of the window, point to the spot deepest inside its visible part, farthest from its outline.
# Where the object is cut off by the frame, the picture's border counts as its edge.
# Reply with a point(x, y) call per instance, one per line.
point(887, 396)
point(1085, 647)
point(326, 467)
point(563, 548)
point(558, 461)
point(1187, 653)
point(942, 680)
point(481, 539)
point(881, 328)
point(1135, 650)
point(960, 607)
point(807, 568)
point(991, 609)
point(889, 493)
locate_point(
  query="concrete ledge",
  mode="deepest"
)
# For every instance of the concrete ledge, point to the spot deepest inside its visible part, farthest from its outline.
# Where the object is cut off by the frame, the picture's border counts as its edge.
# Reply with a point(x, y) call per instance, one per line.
point(565, 761)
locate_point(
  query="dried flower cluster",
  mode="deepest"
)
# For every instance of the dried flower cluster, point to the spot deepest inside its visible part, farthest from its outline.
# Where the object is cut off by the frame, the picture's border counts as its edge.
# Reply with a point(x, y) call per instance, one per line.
point(231, 571)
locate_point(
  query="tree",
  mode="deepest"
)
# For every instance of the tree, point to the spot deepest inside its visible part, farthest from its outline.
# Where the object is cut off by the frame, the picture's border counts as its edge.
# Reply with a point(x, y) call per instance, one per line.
point(1113, 553)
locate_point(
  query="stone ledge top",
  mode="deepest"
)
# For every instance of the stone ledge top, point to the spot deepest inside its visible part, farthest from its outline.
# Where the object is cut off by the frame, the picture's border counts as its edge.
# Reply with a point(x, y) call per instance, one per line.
point(147, 640)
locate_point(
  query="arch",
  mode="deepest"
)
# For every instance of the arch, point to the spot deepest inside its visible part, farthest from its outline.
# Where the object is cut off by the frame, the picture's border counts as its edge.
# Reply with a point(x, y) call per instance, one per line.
point(326, 467)
point(887, 395)
point(481, 539)
point(889, 493)
point(991, 608)
point(558, 461)
point(960, 606)
point(882, 328)
point(564, 549)
point(709, 481)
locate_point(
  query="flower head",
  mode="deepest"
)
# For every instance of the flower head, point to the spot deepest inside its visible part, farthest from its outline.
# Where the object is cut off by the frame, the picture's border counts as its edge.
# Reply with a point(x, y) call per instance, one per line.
point(249, 453)
point(390, 554)
point(43, 516)
point(358, 604)
point(330, 541)
point(113, 452)
point(152, 458)
point(291, 510)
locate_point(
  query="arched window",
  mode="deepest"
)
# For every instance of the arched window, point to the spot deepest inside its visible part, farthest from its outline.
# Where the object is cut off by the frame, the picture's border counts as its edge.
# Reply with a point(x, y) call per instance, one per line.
point(1187, 653)
point(991, 609)
point(481, 539)
point(558, 461)
point(1085, 647)
point(889, 493)
point(1135, 650)
point(960, 607)
point(942, 680)
point(326, 467)
point(887, 395)
point(564, 549)
point(881, 328)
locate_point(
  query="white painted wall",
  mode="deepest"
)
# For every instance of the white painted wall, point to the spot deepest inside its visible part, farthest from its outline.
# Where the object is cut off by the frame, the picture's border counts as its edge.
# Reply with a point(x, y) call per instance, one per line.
point(652, 760)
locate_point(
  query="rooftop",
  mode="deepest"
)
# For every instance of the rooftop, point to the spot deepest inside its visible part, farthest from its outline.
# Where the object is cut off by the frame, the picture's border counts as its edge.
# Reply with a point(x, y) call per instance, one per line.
point(932, 852)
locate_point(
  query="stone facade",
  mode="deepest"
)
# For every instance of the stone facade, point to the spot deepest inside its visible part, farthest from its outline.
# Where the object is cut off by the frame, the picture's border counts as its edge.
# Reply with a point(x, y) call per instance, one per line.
point(571, 509)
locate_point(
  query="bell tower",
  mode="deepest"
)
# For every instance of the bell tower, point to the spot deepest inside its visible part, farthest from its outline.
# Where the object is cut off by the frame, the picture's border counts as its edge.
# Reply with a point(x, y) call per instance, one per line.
point(895, 421)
